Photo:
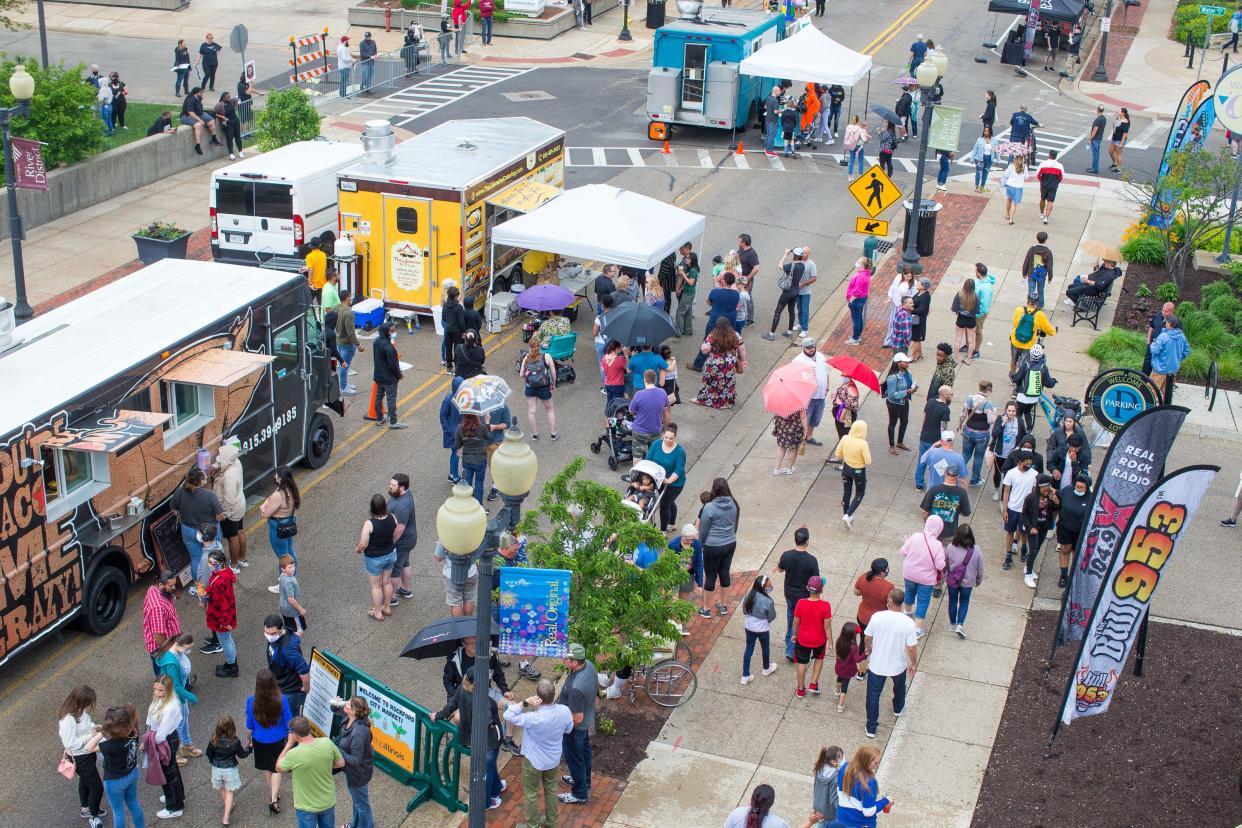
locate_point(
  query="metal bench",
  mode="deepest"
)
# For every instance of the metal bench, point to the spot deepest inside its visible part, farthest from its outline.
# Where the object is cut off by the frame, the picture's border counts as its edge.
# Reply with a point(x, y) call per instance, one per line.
point(1087, 308)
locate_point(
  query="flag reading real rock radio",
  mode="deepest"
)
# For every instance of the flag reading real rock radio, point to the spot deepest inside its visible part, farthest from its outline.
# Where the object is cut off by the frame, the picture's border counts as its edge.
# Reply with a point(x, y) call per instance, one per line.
point(534, 611)
point(1132, 465)
point(1159, 524)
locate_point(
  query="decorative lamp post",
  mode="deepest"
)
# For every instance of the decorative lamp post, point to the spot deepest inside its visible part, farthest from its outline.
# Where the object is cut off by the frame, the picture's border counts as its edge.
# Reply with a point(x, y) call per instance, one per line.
point(1101, 71)
point(466, 534)
point(928, 74)
point(22, 85)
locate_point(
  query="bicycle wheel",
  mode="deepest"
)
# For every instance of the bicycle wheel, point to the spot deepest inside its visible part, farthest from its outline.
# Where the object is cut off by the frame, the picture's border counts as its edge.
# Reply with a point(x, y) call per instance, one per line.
point(670, 683)
point(683, 653)
point(1213, 381)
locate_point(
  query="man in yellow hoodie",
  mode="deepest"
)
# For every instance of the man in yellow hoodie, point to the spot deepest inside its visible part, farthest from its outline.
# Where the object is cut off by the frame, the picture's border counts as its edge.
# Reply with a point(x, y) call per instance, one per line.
point(857, 456)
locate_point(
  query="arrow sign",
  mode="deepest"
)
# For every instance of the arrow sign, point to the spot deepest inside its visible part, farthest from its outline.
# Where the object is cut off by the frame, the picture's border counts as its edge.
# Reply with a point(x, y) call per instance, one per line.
point(870, 227)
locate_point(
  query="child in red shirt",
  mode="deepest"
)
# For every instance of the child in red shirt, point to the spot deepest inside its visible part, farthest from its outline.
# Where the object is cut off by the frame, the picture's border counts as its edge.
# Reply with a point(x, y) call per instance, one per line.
point(812, 629)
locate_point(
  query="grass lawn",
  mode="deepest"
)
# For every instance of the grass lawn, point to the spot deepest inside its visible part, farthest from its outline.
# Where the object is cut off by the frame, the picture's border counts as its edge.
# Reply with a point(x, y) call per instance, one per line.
point(138, 117)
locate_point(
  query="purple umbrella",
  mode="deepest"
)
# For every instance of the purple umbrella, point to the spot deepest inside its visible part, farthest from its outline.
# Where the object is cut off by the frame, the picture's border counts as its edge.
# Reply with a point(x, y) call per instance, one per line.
point(545, 298)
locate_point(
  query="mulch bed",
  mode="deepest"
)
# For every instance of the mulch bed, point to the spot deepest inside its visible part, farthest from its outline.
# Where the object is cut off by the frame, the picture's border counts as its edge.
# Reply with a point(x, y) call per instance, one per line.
point(1133, 312)
point(1167, 752)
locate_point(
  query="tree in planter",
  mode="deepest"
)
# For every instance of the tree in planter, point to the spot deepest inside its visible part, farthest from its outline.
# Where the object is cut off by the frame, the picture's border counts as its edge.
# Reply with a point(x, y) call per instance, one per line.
point(1192, 202)
point(616, 610)
point(288, 117)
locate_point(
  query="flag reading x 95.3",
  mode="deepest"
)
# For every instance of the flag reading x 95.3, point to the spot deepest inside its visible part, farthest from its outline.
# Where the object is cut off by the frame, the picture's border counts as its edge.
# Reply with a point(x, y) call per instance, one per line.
point(1158, 526)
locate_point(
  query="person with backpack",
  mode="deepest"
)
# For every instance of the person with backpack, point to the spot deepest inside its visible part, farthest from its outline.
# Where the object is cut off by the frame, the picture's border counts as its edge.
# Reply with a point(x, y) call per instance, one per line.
point(538, 373)
point(1037, 268)
point(1029, 322)
point(789, 280)
point(964, 562)
point(1030, 379)
point(985, 289)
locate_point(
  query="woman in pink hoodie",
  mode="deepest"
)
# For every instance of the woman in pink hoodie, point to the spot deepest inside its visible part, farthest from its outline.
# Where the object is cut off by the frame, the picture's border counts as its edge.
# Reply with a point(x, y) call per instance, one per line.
point(856, 293)
point(923, 568)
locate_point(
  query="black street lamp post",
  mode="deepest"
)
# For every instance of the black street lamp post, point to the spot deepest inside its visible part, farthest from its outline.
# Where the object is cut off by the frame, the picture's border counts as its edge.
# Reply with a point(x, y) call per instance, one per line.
point(1101, 72)
point(929, 74)
point(21, 84)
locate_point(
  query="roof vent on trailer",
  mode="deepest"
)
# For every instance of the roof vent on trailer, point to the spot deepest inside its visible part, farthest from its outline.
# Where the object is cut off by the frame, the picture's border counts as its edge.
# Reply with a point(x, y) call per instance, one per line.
point(690, 9)
point(8, 323)
point(380, 142)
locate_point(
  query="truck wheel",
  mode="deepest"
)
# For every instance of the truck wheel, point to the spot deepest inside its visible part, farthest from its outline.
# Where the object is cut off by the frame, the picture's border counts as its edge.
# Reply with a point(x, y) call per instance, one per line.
point(104, 604)
point(320, 438)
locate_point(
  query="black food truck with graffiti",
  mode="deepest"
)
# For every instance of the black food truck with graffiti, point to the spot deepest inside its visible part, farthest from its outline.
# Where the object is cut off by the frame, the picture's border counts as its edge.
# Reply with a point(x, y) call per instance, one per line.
point(107, 403)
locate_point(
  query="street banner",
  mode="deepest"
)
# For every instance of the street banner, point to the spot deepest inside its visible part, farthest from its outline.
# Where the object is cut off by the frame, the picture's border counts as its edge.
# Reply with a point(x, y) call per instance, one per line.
point(1130, 469)
point(28, 170)
point(534, 611)
point(1191, 98)
point(946, 128)
point(1032, 26)
point(1160, 521)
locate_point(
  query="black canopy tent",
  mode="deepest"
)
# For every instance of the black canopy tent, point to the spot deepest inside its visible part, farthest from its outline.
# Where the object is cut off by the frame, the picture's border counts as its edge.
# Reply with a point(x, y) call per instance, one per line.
point(1060, 10)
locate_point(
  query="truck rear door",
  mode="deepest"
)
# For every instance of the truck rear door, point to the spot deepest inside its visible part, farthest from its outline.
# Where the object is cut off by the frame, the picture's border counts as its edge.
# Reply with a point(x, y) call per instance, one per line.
point(406, 252)
point(290, 377)
point(233, 206)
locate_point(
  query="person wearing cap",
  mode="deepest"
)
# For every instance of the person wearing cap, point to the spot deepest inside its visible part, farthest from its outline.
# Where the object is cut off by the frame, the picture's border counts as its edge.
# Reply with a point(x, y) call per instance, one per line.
point(936, 415)
point(945, 372)
point(948, 501)
point(545, 724)
point(1039, 516)
point(367, 50)
point(812, 630)
point(445, 39)
point(1030, 379)
point(792, 272)
point(922, 565)
point(1075, 504)
point(818, 362)
point(898, 386)
point(578, 693)
point(1029, 323)
point(159, 616)
point(809, 278)
point(460, 709)
point(855, 456)
point(344, 62)
point(1016, 485)
point(937, 459)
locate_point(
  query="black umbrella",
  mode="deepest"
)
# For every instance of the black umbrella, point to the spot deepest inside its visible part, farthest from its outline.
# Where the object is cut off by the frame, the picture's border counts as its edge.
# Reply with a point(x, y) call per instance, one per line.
point(441, 638)
point(886, 113)
point(633, 324)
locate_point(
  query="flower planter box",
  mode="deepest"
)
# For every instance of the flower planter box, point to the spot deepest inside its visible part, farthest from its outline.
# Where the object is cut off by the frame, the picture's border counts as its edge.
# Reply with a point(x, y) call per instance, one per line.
point(151, 251)
point(544, 28)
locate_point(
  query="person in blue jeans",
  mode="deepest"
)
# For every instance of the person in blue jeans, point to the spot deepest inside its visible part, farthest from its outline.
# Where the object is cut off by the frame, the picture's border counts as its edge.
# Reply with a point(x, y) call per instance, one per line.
point(771, 120)
point(942, 177)
point(890, 641)
point(450, 420)
point(195, 507)
point(578, 693)
point(804, 290)
point(799, 566)
point(117, 743)
point(936, 415)
point(977, 418)
point(1096, 137)
point(306, 756)
point(471, 440)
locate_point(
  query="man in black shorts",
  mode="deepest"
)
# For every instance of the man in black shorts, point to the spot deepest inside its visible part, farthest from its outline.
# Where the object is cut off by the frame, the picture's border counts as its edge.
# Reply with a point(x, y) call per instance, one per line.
point(812, 631)
point(1050, 174)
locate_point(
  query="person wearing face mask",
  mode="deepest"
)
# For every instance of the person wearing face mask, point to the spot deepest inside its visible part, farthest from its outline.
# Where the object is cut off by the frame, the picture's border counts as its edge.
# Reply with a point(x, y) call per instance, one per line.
point(222, 611)
point(159, 616)
point(759, 610)
point(1074, 507)
point(285, 660)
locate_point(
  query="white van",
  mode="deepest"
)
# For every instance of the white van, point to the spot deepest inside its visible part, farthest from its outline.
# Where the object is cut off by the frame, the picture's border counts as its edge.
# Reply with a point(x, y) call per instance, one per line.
point(264, 208)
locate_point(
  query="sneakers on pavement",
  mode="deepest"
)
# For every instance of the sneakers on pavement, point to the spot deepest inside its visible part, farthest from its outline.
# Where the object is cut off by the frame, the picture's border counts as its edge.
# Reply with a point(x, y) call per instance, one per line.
point(770, 337)
point(274, 589)
point(870, 734)
point(1008, 564)
point(405, 593)
point(398, 425)
point(704, 612)
point(813, 689)
point(746, 680)
point(570, 799)
point(960, 630)
point(848, 520)
point(1229, 523)
point(209, 648)
point(528, 671)
point(1029, 579)
point(164, 813)
point(1062, 581)
point(800, 693)
point(770, 669)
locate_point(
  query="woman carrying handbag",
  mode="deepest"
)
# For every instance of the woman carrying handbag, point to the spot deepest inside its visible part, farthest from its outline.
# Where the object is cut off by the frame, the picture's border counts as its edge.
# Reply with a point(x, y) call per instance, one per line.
point(280, 509)
point(78, 760)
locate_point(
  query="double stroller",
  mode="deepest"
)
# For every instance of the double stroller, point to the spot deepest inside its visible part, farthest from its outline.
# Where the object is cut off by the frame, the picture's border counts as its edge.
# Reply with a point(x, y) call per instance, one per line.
point(617, 434)
point(645, 489)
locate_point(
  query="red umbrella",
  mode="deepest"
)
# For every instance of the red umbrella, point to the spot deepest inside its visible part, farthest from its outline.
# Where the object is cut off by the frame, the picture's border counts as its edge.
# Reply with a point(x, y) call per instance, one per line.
point(856, 370)
point(789, 389)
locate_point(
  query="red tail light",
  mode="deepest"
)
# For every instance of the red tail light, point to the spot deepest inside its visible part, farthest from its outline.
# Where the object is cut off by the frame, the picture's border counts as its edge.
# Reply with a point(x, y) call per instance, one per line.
point(215, 227)
point(333, 363)
point(299, 230)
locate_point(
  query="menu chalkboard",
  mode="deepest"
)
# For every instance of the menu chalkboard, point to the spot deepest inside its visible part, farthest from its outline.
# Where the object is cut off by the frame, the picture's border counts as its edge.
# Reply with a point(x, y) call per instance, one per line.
point(170, 549)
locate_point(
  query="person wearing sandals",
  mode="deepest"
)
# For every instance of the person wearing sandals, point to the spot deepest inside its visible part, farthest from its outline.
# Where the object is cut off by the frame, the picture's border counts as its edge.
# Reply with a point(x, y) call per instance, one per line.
point(718, 522)
point(759, 610)
point(267, 722)
point(76, 733)
point(377, 545)
point(789, 433)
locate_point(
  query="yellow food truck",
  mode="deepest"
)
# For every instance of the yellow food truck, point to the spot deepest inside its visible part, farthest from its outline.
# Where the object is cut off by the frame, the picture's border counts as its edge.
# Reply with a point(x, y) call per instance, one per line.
point(420, 212)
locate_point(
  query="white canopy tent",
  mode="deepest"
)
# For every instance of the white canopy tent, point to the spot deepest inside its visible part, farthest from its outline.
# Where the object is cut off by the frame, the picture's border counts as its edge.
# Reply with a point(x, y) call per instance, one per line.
point(810, 55)
point(603, 223)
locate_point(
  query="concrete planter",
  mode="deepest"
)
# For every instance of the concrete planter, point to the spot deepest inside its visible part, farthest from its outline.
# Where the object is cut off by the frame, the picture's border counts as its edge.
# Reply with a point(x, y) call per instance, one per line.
point(151, 251)
point(523, 27)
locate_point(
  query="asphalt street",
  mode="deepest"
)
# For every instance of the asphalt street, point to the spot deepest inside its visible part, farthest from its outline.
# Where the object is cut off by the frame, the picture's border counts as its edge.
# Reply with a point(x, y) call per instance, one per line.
point(598, 108)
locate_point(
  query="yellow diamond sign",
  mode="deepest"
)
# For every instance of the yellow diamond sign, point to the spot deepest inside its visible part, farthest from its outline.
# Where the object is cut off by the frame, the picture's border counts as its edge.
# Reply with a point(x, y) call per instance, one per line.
point(874, 191)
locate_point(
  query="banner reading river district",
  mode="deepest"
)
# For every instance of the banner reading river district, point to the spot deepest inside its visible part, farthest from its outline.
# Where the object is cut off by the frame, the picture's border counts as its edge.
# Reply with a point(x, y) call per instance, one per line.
point(1160, 521)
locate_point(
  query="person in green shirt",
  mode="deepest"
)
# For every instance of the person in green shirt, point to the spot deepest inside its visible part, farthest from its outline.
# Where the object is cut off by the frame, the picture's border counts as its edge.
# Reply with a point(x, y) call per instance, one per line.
point(331, 296)
point(687, 278)
point(311, 761)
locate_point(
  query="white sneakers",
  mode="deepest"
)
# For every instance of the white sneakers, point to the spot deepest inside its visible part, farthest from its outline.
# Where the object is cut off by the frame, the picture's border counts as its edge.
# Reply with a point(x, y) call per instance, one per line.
point(770, 669)
point(848, 520)
point(960, 630)
point(274, 589)
point(746, 680)
point(164, 813)
point(1029, 579)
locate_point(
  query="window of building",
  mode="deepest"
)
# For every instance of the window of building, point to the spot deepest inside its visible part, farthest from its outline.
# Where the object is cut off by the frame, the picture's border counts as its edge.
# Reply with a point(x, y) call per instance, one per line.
point(70, 478)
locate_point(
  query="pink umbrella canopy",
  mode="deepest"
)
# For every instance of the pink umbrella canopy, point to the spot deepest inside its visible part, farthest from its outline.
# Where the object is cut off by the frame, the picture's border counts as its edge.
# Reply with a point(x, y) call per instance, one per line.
point(856, 370)
point(789, 389)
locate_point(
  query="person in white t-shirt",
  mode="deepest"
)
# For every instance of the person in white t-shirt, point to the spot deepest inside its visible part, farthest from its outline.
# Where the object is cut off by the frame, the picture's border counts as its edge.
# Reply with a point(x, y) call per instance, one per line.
point(1017, 483)
point(891, 639)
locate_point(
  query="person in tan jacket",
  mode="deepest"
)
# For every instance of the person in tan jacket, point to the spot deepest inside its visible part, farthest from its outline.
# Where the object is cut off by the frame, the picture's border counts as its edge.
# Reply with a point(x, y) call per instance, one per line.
point(230, 489)
point(855, 453)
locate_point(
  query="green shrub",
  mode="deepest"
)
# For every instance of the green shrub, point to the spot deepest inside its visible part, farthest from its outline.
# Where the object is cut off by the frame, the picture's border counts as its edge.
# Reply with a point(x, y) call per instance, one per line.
point(1167, 292)
point(1236, 327)
point(1215, 290)
point(1235, 273)
point(1143, 292)
point(1226, 308)
point(1195, 366)
point(1195, 27)
point(1119, 348)
point(1214, 241)
point(1206, 333)
point(62, 113)
point(1145, 248)
point(1184, 309)
point(288, 117)
point(1230, 366)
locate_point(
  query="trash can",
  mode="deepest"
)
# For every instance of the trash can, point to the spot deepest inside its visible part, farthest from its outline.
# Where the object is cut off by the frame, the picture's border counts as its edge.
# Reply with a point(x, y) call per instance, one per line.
point(925, 242)
point(655, 13)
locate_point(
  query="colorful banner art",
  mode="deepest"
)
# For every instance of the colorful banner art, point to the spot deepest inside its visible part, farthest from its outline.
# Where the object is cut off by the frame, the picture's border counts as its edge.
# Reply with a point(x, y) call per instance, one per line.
point(534, 611)
point(1160, 521)
point(1194, 95)
point(1131, 468)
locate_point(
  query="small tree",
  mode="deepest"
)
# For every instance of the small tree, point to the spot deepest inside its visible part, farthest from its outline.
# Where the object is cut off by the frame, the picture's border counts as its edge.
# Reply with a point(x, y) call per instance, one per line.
point(1191, 202)
point(62, 113)
point(616, 610)
point(288, 117)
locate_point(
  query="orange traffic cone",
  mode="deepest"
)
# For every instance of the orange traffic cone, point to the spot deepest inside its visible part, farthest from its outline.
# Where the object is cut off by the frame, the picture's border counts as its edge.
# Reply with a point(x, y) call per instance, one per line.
point(740, 150)
point(372, 413)
point(666, 150)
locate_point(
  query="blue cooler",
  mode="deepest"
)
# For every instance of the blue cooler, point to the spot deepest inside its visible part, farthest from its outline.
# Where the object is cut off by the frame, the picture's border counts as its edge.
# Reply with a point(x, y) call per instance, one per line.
point(368, 313)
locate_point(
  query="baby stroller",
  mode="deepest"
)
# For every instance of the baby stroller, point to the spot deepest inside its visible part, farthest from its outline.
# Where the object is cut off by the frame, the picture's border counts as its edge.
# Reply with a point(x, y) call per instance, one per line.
point(645, 501)
point(617, 434)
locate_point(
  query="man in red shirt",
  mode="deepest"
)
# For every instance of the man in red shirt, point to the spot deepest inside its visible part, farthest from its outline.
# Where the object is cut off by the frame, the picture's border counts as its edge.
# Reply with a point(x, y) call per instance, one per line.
point(159, 615)
point(812, 630)
point(1050, 174)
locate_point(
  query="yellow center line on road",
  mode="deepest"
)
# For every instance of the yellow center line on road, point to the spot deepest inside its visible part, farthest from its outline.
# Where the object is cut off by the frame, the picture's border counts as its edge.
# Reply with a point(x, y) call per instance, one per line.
point(894, 28)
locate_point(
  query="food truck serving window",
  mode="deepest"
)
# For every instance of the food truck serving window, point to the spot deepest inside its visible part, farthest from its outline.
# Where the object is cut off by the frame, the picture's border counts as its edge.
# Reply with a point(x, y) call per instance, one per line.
point(70, 478)
point(191, 406)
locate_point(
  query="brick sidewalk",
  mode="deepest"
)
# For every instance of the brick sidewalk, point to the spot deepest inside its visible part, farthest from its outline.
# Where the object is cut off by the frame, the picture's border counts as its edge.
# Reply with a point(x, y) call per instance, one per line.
point(1120, 38)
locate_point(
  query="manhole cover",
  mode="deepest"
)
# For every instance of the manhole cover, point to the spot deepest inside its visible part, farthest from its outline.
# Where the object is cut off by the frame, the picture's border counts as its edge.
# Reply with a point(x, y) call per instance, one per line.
point(534, 95)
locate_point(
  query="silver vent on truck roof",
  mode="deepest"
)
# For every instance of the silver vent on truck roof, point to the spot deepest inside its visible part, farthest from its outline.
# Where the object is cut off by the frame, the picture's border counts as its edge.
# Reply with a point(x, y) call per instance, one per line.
point(8, 323)
point(380, 142)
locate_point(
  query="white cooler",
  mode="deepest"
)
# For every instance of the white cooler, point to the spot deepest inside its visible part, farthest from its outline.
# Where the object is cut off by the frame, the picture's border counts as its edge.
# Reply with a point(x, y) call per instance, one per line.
point(501, 309)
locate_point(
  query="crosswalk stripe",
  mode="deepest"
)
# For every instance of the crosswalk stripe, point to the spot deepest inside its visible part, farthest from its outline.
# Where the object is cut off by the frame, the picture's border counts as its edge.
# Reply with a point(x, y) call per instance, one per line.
point(413, 102)
point(776, 163)
point(597, 155)
point(670, 160)
point(636, 157)
point(705, 159)
point(740, 160)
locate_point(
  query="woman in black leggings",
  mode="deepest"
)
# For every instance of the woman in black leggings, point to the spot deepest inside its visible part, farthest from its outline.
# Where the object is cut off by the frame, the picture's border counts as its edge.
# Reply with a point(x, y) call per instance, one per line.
point(718, 522)
point(897, 388)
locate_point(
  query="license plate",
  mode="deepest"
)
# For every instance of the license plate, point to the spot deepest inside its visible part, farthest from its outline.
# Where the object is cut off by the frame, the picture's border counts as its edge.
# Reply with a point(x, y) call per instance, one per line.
point(235, 238)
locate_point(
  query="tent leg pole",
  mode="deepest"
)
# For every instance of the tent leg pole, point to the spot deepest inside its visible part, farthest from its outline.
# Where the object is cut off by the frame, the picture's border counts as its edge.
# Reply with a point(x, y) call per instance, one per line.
point(867, 104)
point(850, 108)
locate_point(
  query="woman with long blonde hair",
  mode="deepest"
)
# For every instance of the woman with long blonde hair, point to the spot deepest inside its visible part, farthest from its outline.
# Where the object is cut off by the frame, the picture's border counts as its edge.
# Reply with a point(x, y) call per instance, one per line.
point(163, 716)
point(858, 792)
point(1013, 179)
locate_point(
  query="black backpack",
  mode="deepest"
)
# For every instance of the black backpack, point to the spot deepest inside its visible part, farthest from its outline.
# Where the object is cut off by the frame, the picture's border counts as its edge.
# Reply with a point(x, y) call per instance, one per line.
point(536, 374)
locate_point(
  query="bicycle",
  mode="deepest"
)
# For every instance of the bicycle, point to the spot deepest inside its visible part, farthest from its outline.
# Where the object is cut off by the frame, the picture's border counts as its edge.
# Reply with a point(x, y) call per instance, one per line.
point(1055, 408)
point(669, 681)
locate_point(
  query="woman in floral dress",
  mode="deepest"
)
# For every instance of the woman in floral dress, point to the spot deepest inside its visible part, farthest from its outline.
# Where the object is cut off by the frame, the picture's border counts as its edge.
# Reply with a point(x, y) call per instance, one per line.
point(726, 358)
point(845, 402)
point(789, 433)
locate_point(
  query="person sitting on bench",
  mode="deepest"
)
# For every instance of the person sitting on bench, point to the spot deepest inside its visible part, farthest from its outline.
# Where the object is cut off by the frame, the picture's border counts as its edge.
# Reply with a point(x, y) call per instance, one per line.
point(1095, 283)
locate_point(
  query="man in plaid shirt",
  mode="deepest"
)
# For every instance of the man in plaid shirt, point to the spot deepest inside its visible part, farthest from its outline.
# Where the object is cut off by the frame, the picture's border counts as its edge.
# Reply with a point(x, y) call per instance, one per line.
point(901, 324)
point(159, 615)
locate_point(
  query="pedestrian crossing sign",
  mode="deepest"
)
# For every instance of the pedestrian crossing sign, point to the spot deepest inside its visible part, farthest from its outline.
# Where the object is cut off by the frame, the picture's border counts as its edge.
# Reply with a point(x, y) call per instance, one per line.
point(870, 227)
point(874, 191)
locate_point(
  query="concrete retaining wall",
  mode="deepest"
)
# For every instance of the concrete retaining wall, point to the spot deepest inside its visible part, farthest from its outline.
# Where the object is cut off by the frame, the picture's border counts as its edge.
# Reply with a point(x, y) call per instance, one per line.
point(108, 175)
point(526, 27)
point(159, 5)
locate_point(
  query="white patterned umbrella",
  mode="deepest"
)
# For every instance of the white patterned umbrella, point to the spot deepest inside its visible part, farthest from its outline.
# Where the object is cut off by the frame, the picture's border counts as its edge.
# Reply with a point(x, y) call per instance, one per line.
point(481, 395)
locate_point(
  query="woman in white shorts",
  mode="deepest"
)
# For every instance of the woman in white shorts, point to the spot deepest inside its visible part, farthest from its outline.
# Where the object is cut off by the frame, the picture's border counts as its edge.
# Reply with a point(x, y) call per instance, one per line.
point(223, 752)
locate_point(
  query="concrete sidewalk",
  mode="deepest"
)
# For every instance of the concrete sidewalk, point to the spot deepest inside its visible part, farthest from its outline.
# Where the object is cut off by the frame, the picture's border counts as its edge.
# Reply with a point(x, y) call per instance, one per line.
point(729, 738)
